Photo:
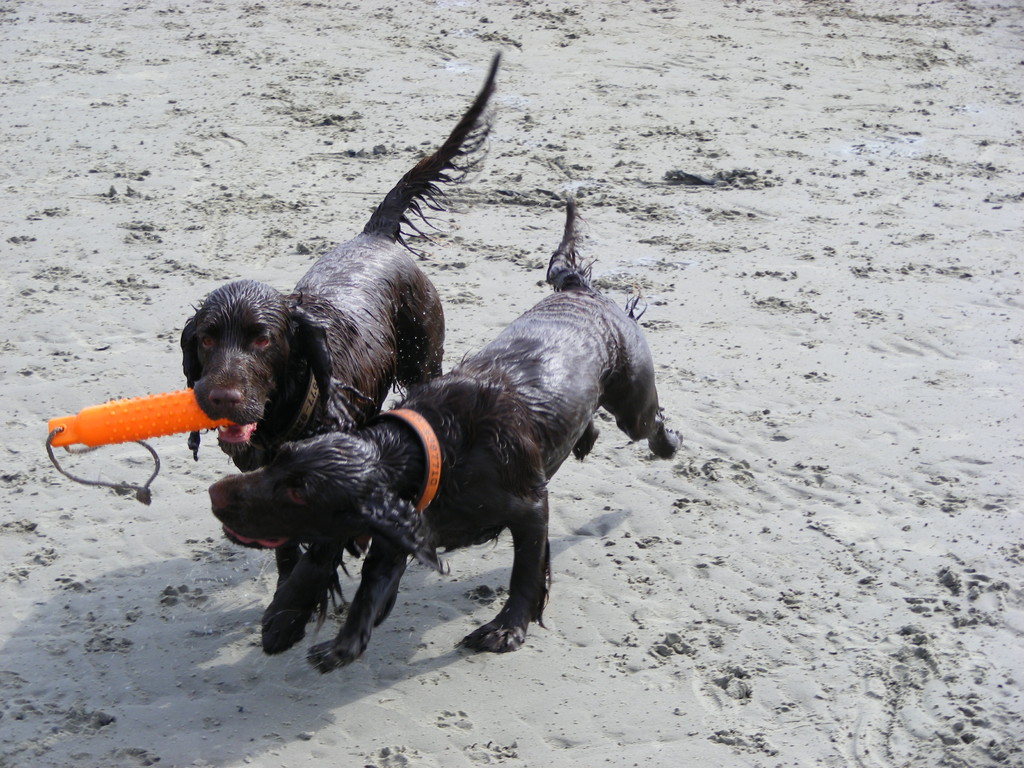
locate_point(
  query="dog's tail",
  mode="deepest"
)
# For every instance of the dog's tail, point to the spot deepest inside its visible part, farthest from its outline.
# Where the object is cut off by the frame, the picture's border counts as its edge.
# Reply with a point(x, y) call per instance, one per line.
point(565, 272)
point(448, 165)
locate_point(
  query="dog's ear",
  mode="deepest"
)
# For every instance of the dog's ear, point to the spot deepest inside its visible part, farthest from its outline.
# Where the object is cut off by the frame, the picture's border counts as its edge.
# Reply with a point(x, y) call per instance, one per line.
point(193, 371)
point(397, 521)
point(310, 342)
point(190, 364)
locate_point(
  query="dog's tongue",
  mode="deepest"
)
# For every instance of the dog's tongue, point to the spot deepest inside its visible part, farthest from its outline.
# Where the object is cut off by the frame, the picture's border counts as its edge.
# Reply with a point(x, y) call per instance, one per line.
point(236, 433)
point(268, 543)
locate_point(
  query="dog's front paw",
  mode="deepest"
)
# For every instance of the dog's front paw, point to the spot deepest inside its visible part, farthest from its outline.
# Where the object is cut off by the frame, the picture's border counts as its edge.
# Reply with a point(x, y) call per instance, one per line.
point(495, 638)
point(328, 656)
point(283, 628)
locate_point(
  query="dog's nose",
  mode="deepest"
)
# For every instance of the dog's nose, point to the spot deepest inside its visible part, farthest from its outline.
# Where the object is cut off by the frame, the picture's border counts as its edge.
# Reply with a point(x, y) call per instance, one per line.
point(225, 397)
point(218, 495)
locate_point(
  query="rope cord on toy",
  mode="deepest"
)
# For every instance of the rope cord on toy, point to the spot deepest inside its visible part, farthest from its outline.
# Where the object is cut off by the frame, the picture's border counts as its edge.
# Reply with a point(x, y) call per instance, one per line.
point(141, 492)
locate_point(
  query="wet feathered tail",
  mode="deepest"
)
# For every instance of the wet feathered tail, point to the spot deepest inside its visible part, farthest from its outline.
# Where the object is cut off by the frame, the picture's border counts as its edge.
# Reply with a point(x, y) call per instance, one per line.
point(565, 271)
point(448, 165)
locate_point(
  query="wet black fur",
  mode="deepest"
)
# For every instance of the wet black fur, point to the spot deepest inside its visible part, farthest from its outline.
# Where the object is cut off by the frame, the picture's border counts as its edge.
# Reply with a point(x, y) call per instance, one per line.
point(506, 419)
point(363, 318)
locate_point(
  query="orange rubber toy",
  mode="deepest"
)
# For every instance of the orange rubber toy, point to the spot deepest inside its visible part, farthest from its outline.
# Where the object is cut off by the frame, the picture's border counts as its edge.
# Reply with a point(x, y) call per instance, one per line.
point(136, 418)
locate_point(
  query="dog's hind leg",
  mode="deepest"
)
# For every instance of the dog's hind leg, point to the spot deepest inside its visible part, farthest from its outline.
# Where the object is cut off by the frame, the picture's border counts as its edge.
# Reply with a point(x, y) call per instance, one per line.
point(586, 442)
point(378, 588)
point(528, 587)
point(632, 398)
point(644, 422)
point(664, 442)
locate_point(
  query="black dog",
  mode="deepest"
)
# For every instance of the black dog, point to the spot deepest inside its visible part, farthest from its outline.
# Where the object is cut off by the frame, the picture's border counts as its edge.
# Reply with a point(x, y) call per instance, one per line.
point(287, 367)
point(505, 419)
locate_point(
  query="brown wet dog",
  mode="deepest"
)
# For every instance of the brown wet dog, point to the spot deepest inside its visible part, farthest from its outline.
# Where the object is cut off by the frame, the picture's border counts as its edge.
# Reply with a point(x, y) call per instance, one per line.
point(324, 357)
point(505, 419)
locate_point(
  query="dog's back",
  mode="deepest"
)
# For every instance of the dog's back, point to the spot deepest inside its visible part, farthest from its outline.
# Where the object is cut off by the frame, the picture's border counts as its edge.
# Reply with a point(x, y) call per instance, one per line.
point(573, 352)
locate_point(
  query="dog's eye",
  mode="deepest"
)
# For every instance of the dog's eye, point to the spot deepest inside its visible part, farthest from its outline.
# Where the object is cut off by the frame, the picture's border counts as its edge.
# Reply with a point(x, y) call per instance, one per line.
point(295, 496)
point(261, 342)
point(206, 341)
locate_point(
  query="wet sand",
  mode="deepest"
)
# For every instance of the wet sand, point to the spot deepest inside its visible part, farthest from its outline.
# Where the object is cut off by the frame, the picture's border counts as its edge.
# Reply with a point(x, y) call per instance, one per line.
point(820, 204)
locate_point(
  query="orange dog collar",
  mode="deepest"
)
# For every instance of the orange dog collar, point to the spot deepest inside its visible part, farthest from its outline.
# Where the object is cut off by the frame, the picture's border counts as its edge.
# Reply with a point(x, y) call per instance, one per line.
point(430, 446)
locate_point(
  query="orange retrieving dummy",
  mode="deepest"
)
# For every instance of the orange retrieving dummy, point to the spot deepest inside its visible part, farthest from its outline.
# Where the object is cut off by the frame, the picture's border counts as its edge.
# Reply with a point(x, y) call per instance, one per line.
point(136, 418)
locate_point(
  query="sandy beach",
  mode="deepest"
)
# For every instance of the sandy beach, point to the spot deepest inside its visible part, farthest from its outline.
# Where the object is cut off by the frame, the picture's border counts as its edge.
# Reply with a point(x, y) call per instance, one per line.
point(821, 205)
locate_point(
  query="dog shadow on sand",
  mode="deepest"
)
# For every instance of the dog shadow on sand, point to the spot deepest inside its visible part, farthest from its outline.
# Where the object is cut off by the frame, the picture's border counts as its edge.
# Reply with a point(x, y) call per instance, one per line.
point(161, 663)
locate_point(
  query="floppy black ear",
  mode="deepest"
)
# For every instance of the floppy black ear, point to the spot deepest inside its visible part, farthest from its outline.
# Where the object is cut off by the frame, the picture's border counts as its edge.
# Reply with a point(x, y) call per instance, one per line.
point(190, 364)
point(193, 371)
point(397, 521)
point(310, 341)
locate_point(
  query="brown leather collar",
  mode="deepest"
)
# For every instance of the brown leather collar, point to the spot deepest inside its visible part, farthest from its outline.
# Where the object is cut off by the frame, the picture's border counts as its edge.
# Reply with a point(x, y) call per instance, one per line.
point(430, 446)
